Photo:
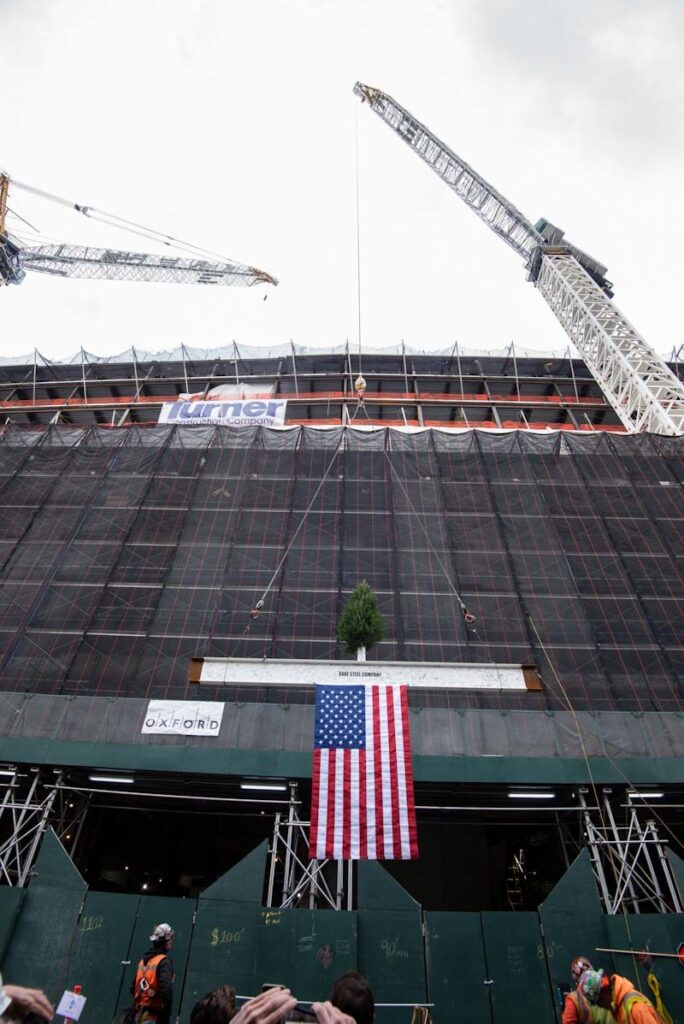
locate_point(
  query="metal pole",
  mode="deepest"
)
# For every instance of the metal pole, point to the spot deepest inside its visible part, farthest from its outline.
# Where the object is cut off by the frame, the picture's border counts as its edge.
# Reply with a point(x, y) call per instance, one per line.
point(515, 370)
point(274, 857)
point(294, 367)
point(85, 391)
point(340, 884)
point(185, 370)
point(38, 834)
point(595, 856)
point(235, 359)
point(287, 883)
point(676, 902)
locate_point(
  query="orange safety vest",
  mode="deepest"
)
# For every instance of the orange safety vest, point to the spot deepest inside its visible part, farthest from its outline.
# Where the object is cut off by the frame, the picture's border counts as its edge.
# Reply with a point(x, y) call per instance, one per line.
point(146, 995)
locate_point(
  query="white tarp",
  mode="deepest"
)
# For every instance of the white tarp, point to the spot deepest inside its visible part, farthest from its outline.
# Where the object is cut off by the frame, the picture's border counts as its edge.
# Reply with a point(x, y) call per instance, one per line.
point(183, 717)
point(233, 412)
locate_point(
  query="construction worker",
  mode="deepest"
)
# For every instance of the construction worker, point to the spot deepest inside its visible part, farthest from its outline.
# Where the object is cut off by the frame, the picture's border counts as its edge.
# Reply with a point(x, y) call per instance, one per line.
point(153, 985)
point(618, 995)
point(577, 1009)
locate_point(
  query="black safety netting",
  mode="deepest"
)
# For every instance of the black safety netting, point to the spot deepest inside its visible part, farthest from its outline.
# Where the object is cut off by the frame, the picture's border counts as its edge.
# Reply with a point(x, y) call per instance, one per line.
point(124, 553)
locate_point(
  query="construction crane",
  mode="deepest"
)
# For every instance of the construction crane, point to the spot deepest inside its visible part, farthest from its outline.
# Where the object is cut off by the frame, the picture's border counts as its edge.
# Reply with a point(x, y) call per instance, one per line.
point(641, 388)
point(64, 260)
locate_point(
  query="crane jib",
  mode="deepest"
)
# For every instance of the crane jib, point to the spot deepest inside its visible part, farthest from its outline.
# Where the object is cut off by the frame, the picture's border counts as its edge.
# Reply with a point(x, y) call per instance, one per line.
point(641, 388)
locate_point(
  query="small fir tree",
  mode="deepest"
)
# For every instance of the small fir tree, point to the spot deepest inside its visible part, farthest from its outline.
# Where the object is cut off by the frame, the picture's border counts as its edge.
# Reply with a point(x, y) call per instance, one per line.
point(361, 624)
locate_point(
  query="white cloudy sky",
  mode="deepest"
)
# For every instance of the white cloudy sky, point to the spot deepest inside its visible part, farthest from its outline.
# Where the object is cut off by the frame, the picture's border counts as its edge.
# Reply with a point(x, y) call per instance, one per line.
point(233, 125)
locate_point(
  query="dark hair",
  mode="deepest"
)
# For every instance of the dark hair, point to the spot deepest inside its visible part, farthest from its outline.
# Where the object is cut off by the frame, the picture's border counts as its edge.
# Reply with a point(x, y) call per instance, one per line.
point(352, 994)
point(216, 1007)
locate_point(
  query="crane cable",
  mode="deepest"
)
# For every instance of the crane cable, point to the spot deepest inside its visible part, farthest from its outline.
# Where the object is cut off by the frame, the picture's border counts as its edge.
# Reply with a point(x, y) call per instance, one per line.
point(260, 603)
point(113, 220)
point(358, 239)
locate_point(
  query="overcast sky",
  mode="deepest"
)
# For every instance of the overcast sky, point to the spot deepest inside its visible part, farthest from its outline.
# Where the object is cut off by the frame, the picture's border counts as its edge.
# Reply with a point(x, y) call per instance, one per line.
point(233, 125)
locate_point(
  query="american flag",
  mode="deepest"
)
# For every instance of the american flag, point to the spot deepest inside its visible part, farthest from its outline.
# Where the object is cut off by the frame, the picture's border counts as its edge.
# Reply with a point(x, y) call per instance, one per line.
point(362, 804)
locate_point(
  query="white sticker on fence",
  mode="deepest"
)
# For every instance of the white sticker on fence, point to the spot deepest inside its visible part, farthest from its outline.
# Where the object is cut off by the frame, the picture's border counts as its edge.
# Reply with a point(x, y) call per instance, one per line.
point(183, 717)
point(70, 1006)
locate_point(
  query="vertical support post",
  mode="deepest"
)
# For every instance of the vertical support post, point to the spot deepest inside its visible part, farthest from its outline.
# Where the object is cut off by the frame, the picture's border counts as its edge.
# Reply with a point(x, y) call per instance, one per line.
point(595, 855)
point(185, 369)
point(235, 360)
point(572, 373)
point(135, 374)
point(291, 813)
point(294, 367)
point(667, 870)
point(515, 370)
point(83, 376)
point(340, 884)
point(35, 371)
point(274, 860)
point(39, 831)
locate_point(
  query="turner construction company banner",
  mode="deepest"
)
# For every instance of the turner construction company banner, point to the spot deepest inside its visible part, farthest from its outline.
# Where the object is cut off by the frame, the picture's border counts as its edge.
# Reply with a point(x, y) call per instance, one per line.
point(183, 717)
point(265, 412)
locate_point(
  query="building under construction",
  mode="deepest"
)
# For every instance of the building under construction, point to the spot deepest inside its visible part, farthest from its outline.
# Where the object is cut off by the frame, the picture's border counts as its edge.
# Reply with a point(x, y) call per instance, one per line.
point(506, 521)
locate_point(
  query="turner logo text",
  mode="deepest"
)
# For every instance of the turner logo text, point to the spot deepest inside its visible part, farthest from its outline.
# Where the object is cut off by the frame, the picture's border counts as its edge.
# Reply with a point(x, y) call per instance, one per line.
point(269, 413)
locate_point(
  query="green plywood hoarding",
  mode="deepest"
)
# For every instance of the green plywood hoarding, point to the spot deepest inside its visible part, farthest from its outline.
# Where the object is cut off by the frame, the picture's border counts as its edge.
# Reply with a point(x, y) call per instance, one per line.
point(152, 910)
point(225, 936)
point(222, 952)
point(656, 933)
point(11, 898)
point(391, 956)
point(306, 949)
point(516, 964)
point(44, 934)
point(457, 968)
point(573, 923)
point(100, 951)
point(391, 951)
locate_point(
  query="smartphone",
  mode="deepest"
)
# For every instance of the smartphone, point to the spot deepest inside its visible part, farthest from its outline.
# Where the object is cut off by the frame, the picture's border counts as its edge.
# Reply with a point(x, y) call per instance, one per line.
point(301, 1011)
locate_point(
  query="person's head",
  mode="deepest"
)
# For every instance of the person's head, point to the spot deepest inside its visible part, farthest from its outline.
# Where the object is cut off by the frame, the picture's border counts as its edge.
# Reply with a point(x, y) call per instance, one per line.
point(578, 966)
point(592, 984)
point(162, 937)
point(352, 994)
point(216, 1007)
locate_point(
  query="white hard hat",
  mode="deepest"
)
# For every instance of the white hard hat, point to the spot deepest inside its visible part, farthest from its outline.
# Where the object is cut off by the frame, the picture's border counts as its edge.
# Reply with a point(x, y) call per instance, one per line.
point(162, 933)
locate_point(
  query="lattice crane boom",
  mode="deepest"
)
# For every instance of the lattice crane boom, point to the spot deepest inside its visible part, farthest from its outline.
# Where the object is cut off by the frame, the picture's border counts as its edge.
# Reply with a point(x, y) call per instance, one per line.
point(642, 390)
point(63, 260)
point(116, 265)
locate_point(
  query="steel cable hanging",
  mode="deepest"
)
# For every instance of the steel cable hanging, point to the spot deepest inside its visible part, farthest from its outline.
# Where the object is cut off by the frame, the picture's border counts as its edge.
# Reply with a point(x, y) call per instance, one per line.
point(113, 220)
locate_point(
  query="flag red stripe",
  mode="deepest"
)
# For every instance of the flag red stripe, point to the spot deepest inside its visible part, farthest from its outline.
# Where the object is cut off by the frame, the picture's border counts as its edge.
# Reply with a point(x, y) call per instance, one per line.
point(379, 812)
point(330, 820)
point(392, 781)
point(346, 828)
point(315, 824)
point(363, 819)
point(408, 773)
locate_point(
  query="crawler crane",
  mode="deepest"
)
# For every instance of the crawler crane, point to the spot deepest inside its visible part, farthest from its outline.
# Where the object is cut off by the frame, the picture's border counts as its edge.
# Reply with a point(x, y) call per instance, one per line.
point(642, 390)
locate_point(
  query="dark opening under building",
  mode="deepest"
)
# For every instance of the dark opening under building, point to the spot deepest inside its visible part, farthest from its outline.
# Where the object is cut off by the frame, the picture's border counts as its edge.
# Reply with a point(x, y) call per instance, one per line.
point(503, 517)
